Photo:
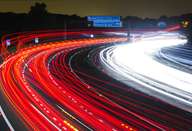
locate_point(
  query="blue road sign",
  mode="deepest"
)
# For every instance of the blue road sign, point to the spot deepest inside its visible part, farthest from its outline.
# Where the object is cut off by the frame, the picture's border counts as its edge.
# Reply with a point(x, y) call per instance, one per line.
point(104, 18)
point(162, 24)
point(105, 21)
point(107, 24)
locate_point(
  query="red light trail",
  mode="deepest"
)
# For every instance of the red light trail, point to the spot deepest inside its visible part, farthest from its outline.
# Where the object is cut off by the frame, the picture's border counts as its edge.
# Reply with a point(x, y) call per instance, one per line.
point(44, 91)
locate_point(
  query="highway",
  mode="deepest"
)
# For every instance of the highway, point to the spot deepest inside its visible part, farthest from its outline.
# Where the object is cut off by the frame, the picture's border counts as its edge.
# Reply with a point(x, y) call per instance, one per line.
point(158, 77)
point(88, 83)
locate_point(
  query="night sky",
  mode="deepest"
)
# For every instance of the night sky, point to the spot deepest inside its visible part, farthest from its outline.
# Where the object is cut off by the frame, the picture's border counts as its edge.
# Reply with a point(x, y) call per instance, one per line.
point(142, 8)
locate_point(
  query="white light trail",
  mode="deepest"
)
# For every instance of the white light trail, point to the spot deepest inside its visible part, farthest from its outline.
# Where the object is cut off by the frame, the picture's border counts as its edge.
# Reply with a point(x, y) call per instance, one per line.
point(6, 120)
point(135, 62)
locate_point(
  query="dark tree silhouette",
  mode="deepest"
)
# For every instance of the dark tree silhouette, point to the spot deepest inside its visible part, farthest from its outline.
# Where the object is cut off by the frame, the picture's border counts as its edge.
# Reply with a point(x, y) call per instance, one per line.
point(188, 29)
point(188, 32)
point(38, 9)
point(163, 18)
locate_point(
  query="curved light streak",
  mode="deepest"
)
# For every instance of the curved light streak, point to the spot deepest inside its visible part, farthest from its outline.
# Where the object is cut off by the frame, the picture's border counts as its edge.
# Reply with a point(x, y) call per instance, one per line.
point(136, 61)
point(44, 91)
point(28, 70)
